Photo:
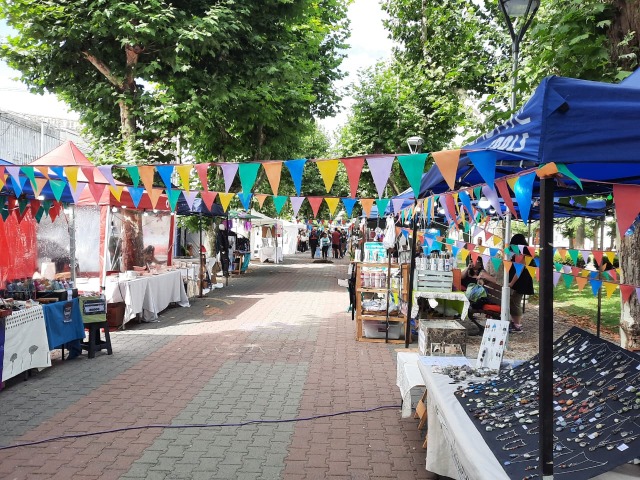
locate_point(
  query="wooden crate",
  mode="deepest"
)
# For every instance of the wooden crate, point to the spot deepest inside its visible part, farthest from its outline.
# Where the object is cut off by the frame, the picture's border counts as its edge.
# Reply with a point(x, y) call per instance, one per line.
point(433, 281)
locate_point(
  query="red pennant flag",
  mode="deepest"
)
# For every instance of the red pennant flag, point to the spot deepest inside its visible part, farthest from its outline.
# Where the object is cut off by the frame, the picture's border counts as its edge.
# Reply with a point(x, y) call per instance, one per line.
point(54, 211)
point(201, 169)
point(627, 206)
point(315, 203)
point(626, 291)
point(208, 198)
point(35, 206)
point(354, 169)
point(96, 190)
point(597, 254)
point(506, 196)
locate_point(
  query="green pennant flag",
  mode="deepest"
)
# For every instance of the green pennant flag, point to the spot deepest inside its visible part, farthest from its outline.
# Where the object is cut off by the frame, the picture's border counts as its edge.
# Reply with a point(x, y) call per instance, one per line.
point(382, 204)
point(23, 203)
point(477, 193)
point(134, 174)
point(173, 194)
point(279, 201)
point(28, 172)
point(563, 169)
point(46, 205)
point(568, 279)
point(496, 263)
point(57, 187)
point(413, 167)
point(248, 173)
point(558, 266)
point(467, 227)
point(574, 256)
point(39, 214)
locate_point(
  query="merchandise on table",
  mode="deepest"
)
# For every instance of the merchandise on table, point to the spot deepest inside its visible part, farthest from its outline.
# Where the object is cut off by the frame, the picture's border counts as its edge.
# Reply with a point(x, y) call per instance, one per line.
point(596, 404)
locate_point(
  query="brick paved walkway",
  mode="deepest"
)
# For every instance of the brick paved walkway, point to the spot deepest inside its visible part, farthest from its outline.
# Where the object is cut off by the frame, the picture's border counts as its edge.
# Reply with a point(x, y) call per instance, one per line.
point(276, 344)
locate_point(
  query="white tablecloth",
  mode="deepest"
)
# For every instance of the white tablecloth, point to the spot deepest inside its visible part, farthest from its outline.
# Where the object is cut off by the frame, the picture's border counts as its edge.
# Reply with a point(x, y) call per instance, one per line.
point(25, 342)
point(148, 295)
point(408, 376)
point(269, 253)
point(455, 296)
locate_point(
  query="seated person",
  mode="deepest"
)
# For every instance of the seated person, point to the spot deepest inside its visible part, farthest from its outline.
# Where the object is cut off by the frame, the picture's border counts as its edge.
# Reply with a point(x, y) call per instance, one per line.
point(473, 273)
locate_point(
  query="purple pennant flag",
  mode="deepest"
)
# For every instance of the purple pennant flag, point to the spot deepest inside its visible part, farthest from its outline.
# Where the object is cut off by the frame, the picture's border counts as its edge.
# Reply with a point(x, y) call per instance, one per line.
point(229, 171)
point(296, 203)
point(492, 196)
point(105, 170)
point(78, 191)
point(380, 168)
point(566, 269)
point(16, 180)
point(190, 197)
point(585, 255)
point(443, 204)
point(428, 241)
point(638, 292)
point(556, 278)
point(396, 203)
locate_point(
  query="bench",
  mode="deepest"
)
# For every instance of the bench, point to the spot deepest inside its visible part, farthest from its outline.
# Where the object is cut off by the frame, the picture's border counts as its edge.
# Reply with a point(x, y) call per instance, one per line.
point(491, 308)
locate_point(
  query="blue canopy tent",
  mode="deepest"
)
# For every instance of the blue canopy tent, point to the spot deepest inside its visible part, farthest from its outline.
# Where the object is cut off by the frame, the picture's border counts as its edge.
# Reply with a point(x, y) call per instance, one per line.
point(590, 127)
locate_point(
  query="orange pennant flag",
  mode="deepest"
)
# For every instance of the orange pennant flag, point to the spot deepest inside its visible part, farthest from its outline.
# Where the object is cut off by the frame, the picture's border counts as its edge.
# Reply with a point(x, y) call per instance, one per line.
point(447, 162)
point(40, 183)
point(610, 288)
point(154, 195)
point(225, 199)
point(507, 264)
point(44, 171)
point(581, 281)
point(332, 203)
point(72, 176)
point(261, 197)
point(146, 175)
point(273, 171)
point(183, 172)
point(562, 252)
point(366, 203)
point(328, 170)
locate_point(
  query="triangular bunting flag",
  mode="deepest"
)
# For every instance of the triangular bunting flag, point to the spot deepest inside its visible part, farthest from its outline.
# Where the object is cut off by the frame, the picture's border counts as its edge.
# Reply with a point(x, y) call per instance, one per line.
point(173, 194)
point(261, 197)
point(146, 173)
point(562, 252)
point(447, 162)
point(105, 170)
point(40, 184)
point(136, 194)
point(184, 171)
point(165, 172)
point(57, 187)
point(595, 286)
point(611, 256)
point(507, 264)
point(626, 291)
point(44, 171)
point(35, 206)
point(273, 171)
point(296, 168)
point(229, 171)
point(366, 204)
point(573, 254)
point(556, 278)
point(413, 167)
point(76, 192)
point(17, 181)
point(30, 174)
point(523, 191)
point(485, 163)
point(245, 198)
point(154, 196)
point(627, 206)
point(532, 271)
point(296, 203)
point(380, 168)
point(332, 203)
point(506, 197)
point(96, 190)
point(225, 197)
point(134, 174)
point(328, 170)
point(492, 196)
point(278, 202)
point(568, 279)
point(581, 282)
point(349, 203)
point(116, 192)
point(315, 204)
point(202, 169)
point(354, 169)
point(610, 288)
point(585, 255)
point(597, 254)
point(248, 173)
point(189, 197)
point(208, 198)
point(396, 204)
point(382, 205)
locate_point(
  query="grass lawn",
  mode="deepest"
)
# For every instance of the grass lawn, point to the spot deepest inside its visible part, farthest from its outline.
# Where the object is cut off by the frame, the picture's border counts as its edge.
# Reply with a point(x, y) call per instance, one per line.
point(584, 305)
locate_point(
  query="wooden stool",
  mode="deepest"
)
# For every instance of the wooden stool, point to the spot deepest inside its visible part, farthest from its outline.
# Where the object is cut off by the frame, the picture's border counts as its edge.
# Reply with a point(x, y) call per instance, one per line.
point(95, 343)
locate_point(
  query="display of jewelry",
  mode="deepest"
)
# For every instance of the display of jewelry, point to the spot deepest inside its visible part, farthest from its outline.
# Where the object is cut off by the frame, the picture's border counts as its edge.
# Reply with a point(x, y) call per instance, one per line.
point(596, 404)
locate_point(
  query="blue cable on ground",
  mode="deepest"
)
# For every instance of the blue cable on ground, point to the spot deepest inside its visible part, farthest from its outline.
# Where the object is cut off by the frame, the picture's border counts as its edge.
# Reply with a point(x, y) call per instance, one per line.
point(197, 425)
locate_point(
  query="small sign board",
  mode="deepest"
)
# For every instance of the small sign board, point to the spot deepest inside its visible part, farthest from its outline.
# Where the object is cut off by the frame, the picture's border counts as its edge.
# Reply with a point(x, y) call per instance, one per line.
point(93, 309)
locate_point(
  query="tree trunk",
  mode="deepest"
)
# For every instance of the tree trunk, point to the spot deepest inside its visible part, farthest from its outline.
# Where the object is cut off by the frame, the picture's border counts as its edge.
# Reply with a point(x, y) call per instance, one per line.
point(579, 243)
point(132, 239)
point(629, 257)
point(626, 19)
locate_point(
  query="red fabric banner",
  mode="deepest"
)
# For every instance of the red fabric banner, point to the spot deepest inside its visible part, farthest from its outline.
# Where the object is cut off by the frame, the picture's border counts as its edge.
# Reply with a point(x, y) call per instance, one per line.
point(354, 169)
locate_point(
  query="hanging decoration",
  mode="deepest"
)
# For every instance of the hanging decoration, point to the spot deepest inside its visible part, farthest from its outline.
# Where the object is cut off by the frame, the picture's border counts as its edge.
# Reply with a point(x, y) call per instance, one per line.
point(248, 173)
point(273, 171)
point(413, 167)
point(380, 168)
point(328, 170)
point(279, 202)
point(296, 168)
point(354, 170)
point(447, 162)
point(229, 171)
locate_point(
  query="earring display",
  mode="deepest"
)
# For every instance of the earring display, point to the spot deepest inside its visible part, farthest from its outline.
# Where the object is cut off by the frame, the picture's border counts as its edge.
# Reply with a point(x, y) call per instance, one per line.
point(493, 344)
point(596, 408)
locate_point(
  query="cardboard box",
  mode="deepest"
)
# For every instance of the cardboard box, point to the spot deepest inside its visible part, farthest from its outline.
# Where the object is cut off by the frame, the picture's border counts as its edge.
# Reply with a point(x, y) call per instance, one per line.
point(443, 332)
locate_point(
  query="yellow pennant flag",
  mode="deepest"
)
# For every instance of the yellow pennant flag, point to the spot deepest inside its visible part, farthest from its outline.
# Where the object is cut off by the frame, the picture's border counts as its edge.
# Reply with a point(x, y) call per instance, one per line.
point(273, 171)
point(184, 171)
point(225, 199)
point(512, 183)
point(328, 170)
point(72, 176)
point(332, 203)
point(260, 197)
point(116, 192)
point(366, 203)
point(481, 249)
point(610, 256)
point(610, 288)
point(464, 253)
point(496, 240)
point(532, 271)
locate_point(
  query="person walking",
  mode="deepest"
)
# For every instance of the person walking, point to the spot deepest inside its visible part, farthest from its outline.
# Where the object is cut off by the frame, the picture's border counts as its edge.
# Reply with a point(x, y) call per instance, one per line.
point(343, 243)
point(324, 245)
point(335, 243)
point(303, 241)
point(314, 237)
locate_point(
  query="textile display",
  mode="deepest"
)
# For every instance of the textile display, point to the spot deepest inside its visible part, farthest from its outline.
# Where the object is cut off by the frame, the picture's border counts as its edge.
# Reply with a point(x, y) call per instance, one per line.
point(596, 403)
point(25, 342)
point(63, 322)
point(407, 377)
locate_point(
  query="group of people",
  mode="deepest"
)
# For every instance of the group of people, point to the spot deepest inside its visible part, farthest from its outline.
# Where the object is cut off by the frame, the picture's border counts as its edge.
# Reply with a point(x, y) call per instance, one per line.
point(520, 284)
point(336, 239)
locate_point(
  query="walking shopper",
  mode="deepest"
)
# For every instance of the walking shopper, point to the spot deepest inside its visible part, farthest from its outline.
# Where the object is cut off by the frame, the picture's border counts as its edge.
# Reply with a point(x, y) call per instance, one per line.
point(313, 241)
point(324, 245)
point(335, 243)
point(343, 243)
point(304, 245)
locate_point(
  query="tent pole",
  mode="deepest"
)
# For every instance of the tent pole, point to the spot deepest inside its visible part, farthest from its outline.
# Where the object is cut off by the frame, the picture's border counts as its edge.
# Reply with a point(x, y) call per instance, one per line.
point(276, 232)
point(202, 254)
point(546, 327)
point(72, 242)
point(599, 317)
point(505, 316)
point(105, 250)
point(412, 267)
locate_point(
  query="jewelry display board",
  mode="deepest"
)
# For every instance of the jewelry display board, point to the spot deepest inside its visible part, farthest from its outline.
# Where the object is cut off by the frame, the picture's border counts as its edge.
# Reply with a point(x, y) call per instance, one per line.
point(493, 345)
point(596, 404)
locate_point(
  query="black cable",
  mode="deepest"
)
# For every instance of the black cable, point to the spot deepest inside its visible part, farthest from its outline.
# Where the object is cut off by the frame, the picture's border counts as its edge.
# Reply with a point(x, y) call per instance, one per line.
point(197, 425)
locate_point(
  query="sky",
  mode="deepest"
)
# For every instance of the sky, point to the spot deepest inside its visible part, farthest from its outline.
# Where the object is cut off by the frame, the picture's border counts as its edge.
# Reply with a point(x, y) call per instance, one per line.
point(368, 45)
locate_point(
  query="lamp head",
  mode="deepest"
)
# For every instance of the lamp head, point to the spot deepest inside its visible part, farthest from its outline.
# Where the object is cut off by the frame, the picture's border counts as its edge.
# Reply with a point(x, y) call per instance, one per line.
point(518, 8)
point(483, 203)
point(415, 144)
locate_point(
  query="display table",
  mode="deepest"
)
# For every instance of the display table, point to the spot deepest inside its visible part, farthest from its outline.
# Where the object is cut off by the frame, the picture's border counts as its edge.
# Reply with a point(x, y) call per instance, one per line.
point(269, 254)
point(456, 449)
point(408, 376)
point(25, 342)
point(459, 302)
point(147, 295)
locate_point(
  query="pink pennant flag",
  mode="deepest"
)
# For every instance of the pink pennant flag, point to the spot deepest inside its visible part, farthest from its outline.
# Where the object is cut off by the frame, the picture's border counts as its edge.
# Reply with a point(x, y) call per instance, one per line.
point(202, 170)
point(105, 170)
point(380, 168)
point(208, 198)
point(296, 203)
point(597, 254)
point(627, 206)
point(229, 171)
point(354, 169)
point(189, 197)
point(315, 203)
